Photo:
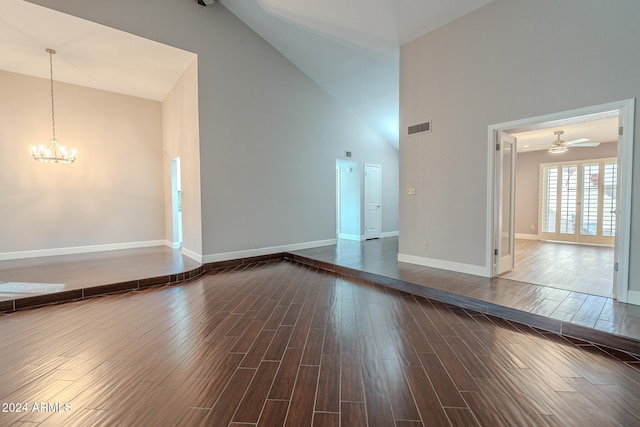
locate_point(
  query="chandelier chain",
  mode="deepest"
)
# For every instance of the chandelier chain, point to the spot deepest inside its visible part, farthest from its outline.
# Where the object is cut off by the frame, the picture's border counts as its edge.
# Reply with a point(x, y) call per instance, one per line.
point(53, 117)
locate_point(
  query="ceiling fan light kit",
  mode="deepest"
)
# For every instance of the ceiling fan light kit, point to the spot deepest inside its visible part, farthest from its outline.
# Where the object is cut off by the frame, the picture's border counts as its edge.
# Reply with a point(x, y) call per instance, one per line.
point(558, 150)
point(559, 146)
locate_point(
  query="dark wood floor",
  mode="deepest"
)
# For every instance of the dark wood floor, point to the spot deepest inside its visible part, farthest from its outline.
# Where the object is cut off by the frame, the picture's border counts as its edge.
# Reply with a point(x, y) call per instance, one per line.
point(28, 277)
point(31, 282)
point(576, 314)
point(279, 343)
point(580, 268)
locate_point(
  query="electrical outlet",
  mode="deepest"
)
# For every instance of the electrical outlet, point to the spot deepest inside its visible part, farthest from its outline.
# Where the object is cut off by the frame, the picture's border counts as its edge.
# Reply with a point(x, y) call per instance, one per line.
point(411, 191)
point(425, 245)
point(533, 227)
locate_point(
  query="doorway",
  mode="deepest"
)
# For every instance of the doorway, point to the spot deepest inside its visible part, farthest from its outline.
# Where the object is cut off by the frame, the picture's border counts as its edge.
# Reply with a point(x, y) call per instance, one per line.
point(358, 200)
point(372, 201)
point(176, 203)
point(500, 211)
point(349, 189)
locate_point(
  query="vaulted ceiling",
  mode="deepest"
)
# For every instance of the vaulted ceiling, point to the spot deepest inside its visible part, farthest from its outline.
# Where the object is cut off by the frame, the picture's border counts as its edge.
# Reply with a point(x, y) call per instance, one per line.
point(349, 48)
point(88, 54)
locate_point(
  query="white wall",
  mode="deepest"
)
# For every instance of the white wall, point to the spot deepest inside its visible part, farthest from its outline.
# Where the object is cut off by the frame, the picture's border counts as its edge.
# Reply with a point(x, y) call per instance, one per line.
point(509, 60)
point(269, 136)
point(181, 139)
point(112, 195)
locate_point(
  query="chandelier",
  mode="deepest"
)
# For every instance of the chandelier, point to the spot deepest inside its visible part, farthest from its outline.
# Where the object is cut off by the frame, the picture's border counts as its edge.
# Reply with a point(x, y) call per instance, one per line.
point(54, 152)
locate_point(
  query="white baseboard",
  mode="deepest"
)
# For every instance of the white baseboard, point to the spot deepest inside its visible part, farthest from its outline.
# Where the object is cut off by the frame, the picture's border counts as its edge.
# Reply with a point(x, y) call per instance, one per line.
point(351, 237)
point(363, 238)
point(4, 256)
point(527, 236)
point(265, 251)
point(194, 256)
point(633, 297)
point(476, 270)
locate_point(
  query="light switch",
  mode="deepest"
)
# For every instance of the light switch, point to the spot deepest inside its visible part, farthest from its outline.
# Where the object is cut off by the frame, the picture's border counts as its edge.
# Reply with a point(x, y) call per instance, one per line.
point(411, 191)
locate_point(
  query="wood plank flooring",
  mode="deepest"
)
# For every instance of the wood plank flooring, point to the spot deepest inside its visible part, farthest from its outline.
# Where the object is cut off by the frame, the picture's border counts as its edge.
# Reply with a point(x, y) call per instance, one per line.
point(576, 314)
point(42, 276)
point(282, 344)
point(40, 281)
point(571, 267)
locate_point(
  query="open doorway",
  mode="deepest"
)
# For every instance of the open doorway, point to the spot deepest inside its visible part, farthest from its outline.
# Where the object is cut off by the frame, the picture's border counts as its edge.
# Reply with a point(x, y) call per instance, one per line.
point(587, 199)
point(349, 193)
point(176, 203)
point(358, 200)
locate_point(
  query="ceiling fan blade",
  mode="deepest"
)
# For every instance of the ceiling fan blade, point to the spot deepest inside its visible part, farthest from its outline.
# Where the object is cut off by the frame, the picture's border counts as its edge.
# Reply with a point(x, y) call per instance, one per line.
point(584, 144)
point(577, 141)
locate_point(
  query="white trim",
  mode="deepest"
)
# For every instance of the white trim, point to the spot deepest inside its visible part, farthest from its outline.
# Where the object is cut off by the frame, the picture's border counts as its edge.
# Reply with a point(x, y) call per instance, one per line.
point(351, 237)
point(625, 167)
point(4, 256)
point(389, 234)
point(524, 236)
point(367, 233)
point(626, 109)
point(194, 256)
point(633, 297)
point(490, 226)
point(476, 270)
point(226, 256)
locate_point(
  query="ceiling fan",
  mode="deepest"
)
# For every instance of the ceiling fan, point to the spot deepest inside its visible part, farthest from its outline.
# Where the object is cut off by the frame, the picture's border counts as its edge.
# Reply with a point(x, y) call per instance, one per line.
point(560, 146)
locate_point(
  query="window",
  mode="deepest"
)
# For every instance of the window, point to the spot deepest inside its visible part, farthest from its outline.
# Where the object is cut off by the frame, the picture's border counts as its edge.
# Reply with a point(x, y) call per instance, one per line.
point(578, 201)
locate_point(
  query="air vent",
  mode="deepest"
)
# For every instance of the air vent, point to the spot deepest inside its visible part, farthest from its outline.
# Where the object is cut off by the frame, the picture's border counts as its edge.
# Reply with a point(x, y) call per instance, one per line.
point(422, 127)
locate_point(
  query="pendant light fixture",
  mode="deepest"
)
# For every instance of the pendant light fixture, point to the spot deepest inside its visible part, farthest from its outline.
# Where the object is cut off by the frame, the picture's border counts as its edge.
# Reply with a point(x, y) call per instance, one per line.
point(54, 152)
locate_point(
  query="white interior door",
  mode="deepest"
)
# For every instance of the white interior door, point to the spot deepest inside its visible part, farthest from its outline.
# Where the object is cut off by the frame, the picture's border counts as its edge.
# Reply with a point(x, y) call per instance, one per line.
point(505, 202)
point(372, 201)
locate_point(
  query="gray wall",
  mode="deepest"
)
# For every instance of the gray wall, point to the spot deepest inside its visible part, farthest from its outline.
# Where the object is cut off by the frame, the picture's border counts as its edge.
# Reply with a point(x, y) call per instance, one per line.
point(269, 136)
point(528, 179)
point(510, 60)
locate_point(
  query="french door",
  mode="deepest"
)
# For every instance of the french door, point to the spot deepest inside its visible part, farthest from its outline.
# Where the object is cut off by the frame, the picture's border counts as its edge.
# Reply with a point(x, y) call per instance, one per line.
point(505, 202)
point(578, 201)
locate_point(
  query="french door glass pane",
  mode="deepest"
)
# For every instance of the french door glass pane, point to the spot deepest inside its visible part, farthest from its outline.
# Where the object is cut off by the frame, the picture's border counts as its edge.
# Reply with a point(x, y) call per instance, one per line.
point(549, 199)
point(507, 171)
point(568, 199)
point(590, 186)
point(609, 199)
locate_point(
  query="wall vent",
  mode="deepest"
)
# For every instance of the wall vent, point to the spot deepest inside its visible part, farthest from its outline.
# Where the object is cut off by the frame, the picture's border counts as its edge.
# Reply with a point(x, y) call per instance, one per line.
point(422, 127)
